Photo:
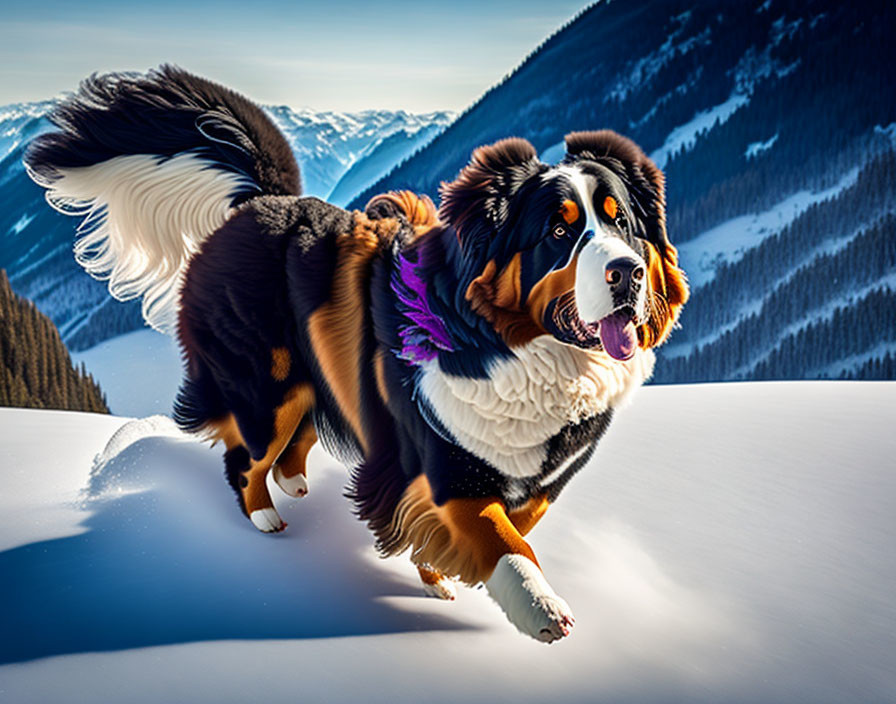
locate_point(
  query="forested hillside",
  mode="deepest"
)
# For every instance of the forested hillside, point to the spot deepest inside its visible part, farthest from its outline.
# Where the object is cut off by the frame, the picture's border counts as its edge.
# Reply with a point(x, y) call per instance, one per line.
point(35, 368)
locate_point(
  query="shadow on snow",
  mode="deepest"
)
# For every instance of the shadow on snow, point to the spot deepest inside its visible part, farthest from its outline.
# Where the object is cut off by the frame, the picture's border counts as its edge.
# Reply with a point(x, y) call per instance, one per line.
point(166, 557)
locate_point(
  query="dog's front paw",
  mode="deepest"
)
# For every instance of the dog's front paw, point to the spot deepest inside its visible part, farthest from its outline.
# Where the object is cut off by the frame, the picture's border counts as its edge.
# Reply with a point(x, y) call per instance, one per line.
point(519, 586)
point(553, 619)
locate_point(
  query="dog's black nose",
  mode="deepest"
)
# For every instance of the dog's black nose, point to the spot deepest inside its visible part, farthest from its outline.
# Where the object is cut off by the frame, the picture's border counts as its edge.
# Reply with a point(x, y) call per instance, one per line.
point(624, 274)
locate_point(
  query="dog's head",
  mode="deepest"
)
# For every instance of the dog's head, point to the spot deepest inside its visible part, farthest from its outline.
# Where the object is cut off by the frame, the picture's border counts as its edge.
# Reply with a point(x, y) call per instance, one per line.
point(578, 250)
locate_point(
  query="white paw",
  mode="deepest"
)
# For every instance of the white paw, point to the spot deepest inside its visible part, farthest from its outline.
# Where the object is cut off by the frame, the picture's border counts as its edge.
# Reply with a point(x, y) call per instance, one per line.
point(267, 520)
point(443, 589)
point(551, 619)
point(293, 486)
point(530, 604)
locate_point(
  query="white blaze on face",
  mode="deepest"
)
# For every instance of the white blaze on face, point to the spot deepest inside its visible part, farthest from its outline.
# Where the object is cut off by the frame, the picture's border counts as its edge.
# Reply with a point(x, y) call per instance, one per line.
point(594, 299)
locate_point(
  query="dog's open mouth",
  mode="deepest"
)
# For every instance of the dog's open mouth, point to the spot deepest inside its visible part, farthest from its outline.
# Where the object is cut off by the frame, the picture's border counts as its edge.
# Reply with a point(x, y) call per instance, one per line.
point(616, 333)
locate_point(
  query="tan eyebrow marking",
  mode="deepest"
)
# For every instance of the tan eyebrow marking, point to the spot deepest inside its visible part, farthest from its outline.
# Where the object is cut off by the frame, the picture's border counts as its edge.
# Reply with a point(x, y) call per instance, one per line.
point(611, 207)
point(569, 211)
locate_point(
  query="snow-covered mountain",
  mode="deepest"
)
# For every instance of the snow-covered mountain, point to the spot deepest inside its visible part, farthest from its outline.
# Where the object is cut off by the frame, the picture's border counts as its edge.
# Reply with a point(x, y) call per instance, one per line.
point(36, 242)
point(744, 556)
point(328, 145)
point(775, 122)
point(379, 158)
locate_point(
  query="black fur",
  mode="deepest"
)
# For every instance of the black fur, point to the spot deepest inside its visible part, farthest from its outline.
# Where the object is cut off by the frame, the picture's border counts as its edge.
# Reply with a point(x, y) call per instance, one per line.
point(166, 112)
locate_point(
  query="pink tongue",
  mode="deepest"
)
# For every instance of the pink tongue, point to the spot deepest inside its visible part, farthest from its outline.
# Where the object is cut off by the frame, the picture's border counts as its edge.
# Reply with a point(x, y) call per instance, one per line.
point(617, 335)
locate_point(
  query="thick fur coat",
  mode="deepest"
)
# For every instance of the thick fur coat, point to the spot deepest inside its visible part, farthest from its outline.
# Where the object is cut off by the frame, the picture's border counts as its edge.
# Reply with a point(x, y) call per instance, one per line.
point(463, 362)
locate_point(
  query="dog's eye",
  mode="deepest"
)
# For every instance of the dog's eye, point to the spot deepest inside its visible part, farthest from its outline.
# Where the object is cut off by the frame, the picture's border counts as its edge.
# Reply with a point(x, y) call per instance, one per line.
point(559, 231)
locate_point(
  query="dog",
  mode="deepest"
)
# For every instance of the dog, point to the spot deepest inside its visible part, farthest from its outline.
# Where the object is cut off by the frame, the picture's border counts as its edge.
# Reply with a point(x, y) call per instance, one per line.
point(464, 362)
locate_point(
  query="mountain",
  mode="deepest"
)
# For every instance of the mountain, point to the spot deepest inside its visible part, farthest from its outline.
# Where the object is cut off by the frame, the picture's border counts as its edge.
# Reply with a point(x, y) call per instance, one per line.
point(379, 158)
point(746, 559)
point(36, 242)
point(775, 122)
point(329, 144)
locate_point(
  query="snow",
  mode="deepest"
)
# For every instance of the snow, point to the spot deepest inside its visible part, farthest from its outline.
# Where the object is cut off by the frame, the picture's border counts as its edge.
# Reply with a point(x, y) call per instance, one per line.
point(641, 72)
point(139, 372)
point(21, 224)
point(741, 554)
point(378, 159)
point(730, 240)
point(684, 136)
point(824, 312)
point(888, 132)
point(554, 153)
point(756, 148)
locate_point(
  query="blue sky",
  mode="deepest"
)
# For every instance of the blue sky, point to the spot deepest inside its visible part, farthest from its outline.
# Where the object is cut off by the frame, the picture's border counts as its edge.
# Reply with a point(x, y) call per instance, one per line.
point(330, 54)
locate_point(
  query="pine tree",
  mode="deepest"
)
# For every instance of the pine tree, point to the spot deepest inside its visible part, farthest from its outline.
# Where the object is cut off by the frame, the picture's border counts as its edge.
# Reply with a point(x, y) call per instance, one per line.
point(35, 368)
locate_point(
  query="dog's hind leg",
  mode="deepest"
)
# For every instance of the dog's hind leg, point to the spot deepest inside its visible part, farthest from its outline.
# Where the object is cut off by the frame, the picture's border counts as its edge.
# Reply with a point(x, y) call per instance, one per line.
point(247, 462)
point(256, 498)
point(290, 469)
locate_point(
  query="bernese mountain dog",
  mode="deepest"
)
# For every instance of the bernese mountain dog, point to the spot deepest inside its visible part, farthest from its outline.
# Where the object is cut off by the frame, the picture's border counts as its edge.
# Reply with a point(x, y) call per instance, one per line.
point(464, 362)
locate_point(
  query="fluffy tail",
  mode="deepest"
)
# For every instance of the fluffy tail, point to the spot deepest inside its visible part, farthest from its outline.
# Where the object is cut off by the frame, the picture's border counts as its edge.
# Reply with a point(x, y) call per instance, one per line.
point(155, 164)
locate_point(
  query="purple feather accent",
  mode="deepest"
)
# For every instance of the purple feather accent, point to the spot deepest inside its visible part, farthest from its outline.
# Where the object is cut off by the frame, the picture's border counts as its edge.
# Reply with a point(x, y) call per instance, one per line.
point(425, 333)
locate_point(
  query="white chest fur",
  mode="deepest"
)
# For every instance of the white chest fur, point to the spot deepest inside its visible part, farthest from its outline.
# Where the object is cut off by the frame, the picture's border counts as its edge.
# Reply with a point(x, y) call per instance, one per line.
point(507, 418)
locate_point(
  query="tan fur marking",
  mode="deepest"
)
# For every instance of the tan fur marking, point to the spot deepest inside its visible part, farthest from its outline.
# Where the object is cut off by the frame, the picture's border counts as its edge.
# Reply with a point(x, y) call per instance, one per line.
point(530, 513)
point(611, 208)
point(287, 417)
point(551, 286)
point(280, 363)
point(224, 429)
point(569, 211)
point(379, 371)
point(255, 492)
point(429, 576)
point(497, 299)
point(507, 285)
point(338, 326)
point(292, 461)
point(463, 538)
point(419, 210)
point(667, 293)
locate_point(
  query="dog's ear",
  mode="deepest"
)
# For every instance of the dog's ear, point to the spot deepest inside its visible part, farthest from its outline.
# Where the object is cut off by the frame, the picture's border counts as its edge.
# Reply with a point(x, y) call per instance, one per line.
point(476, 203)
point(643, 178)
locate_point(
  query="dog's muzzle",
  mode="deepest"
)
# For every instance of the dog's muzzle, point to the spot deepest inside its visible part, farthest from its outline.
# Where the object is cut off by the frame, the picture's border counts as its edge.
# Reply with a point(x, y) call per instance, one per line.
point(610, 292)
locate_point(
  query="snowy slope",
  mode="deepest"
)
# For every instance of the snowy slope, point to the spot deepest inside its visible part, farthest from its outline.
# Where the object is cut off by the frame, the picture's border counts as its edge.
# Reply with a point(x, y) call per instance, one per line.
point(728, 241)
point(139, 372)
point(742, 554)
